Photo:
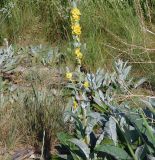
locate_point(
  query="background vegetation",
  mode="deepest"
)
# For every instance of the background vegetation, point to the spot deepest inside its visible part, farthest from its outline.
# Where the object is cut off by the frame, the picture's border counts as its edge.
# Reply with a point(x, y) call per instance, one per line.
point(112, 29)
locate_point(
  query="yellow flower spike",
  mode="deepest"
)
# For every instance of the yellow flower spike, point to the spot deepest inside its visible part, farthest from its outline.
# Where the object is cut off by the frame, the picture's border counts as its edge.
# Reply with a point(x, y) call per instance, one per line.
point(69, 75)
point(76, 29)
point(75, 105)
point(86, 84)
point(78, 53)
point(75, 13)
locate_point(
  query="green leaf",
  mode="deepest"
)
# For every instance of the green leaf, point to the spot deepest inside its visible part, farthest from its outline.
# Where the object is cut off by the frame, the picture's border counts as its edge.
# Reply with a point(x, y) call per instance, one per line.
point(141, 81)
point(114, 151)
point(141, 125)
point(150, 157)
point(82, 146)
point(63, 138)
point(79, 125)
point(110, 129)
point(140, 152)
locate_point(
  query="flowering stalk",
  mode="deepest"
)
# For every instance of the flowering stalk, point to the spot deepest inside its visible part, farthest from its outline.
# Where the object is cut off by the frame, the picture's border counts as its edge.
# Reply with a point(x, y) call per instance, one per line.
point(75, 15)
point(84, 117)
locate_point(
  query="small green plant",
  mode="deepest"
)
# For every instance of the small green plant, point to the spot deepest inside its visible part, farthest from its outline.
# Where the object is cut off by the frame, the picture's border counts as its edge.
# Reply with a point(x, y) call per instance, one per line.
point(8, 59)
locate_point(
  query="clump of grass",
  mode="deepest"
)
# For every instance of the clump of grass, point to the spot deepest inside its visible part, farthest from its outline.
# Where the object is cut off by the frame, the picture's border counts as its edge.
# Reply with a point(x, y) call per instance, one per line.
point(38, 113)
point(114, 29)
point(31, 110)
point(22, 20)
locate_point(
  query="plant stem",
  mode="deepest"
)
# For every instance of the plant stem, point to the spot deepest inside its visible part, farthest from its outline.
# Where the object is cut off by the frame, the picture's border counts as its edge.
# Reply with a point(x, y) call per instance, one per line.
point(84, 117)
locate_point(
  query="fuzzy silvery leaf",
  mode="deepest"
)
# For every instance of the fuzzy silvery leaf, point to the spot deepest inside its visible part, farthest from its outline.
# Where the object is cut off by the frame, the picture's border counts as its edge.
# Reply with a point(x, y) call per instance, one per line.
point(66, 115)
point(140, 152)
point(89, 77)
point(77, 44)
point(122, 69)
point(100, 139)
point(74, 4)
point(140, 123)
point(114, 151)
point(149, 105)
point(92, 79)
point(113, 77)
point(126, 72)
point(97, 99)
point(152, 101)
point(82, 146)
point(106, 79)
point(1, 59)
point(72, 86)
point(84, 97)
point(101, 95)
point(99, 83)
point(99, 78)
point(96, 115)
point(129, 82)
point(93, 119)
point(122, 122)
point(63, 157)
point(141, 81)
point(110, 129)
point(79, 125)
point(83, 105)
point(150, 157)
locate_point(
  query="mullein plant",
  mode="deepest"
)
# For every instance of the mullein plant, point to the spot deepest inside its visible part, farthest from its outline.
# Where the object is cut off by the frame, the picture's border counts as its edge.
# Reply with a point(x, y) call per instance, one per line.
point(103, 128)
point(81, 85)
point(79, 100)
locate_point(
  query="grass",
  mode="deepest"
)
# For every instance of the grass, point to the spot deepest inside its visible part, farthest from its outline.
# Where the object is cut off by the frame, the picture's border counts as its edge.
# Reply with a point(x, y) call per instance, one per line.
point(37, 101)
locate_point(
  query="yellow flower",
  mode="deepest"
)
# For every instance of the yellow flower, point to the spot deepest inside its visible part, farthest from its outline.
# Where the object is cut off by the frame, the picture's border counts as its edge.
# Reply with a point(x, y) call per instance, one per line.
point(69, 75)
point(78, 53)
point(86, 84)
point(75, 104)
point(75, 13)
point(75, 18)
point(76, 29)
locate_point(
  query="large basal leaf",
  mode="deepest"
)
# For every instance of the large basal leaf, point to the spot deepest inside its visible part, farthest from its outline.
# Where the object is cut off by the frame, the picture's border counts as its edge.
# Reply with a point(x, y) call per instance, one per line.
point(152, 101)
point(126, 72)
point(150, 157)
point(142, 126)
point(114, 151)
point(93, 119)
point(149, 105)
point(141, 81)
point(110, 129)
point(79, 125)
point(140, 152)
point(100, 139)
point(63, 138)
point(82, 146)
